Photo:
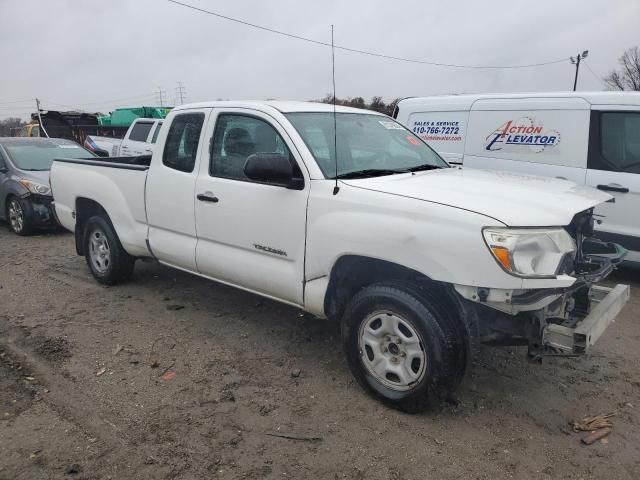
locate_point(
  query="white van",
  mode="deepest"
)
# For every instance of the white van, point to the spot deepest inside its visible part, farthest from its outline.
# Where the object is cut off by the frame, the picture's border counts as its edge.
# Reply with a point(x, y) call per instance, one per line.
point(591, 138)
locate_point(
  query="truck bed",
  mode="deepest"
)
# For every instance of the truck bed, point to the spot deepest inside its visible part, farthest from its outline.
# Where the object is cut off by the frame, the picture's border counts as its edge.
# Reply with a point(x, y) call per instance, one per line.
point(115, 183)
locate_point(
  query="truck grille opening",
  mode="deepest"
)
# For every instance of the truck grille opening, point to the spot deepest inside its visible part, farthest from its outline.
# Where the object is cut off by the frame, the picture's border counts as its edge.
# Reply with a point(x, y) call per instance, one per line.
point(592, 255)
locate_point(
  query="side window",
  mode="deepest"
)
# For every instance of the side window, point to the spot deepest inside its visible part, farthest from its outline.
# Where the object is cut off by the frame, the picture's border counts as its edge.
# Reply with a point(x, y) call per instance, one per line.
point(156, 132)
point(236, 137)
point(3, 165)
point(182, 141)
point(614, 143)
point(140, 131)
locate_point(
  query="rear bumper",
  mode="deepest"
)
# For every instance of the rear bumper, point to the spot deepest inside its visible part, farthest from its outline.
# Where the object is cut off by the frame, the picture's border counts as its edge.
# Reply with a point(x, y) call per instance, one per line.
point(577, 339)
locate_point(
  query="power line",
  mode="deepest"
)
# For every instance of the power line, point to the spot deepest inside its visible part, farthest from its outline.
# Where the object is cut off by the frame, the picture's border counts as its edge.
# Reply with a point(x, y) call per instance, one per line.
point(19, 109)
point(363, 52)
point(596, 76)
point(15, 107)
point(181, 93)
point(161, 92)
point(17, 101)
point(102, 102)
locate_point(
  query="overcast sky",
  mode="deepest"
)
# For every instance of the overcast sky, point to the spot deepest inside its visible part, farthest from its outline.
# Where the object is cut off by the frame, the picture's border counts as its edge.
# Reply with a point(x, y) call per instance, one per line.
point(96, 55)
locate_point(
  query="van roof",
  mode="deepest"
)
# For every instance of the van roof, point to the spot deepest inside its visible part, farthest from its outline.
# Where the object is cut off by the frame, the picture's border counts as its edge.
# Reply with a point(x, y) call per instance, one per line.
point(464, 102)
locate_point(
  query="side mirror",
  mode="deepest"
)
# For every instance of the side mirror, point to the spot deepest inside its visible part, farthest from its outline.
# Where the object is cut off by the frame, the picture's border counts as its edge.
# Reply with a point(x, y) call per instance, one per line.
point(3, 168)
point(272, 168)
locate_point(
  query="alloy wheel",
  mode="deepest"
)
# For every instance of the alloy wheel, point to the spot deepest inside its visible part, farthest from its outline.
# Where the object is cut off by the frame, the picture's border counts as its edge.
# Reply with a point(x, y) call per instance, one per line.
point(16, 215)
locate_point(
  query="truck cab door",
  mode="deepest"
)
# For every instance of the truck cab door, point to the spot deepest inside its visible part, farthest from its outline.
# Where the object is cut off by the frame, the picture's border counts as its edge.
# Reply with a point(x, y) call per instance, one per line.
point(250, 234)
point(135, 142)
point(614, 167)
point(170, 190)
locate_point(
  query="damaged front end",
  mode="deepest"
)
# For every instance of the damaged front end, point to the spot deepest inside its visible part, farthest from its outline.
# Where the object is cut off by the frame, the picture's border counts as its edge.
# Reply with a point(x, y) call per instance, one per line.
point(43, 211)
point(555, 321)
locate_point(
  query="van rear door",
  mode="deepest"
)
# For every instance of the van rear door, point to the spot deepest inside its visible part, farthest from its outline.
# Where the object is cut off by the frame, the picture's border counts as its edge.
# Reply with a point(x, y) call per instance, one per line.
point(614, 166)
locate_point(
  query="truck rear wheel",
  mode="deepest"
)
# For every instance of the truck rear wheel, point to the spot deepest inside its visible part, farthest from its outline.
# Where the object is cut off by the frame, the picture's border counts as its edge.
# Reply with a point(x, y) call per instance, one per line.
point(402, 347)
point(108, 261)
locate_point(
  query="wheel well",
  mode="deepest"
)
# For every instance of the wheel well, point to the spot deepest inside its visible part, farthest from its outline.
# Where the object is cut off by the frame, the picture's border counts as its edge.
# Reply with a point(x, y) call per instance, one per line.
point(85, 209)
point(8, 199)
point(352, 273)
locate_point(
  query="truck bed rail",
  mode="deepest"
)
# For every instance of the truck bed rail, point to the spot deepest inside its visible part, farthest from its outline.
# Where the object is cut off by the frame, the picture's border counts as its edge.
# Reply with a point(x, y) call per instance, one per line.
point(141, 162)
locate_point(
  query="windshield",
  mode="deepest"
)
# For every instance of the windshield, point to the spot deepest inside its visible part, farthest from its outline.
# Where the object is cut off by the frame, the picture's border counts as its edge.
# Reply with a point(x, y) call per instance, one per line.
point(40, 155)
point(367, 144)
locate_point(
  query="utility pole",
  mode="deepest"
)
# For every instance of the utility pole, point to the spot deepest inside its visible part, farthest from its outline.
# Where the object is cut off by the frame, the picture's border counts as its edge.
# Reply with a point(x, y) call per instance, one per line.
point(181, 92)
point(40, 118)
point(160, 96)
point(576, 61)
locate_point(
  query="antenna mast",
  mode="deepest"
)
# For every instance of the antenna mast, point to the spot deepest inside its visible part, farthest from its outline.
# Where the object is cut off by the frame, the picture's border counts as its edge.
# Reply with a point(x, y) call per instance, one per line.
point(336, 188)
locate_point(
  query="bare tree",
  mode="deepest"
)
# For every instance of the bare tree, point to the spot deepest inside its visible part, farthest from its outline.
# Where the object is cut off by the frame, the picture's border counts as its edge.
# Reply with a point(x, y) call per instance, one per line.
point(378, 105)
point(628, 76)
point(10, 127)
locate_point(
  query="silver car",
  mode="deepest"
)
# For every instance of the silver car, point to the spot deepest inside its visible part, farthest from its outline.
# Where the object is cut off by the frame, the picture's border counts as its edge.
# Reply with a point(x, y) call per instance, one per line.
point(25, 194)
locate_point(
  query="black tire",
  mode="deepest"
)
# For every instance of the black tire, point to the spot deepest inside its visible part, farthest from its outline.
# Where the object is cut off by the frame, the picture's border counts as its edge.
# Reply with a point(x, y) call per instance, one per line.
point(25, 224)
point(441, 338)
point(116, 265)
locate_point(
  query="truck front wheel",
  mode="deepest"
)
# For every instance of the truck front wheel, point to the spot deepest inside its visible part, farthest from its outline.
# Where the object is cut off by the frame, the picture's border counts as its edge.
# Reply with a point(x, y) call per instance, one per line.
point(402, 347)
point(108, 261)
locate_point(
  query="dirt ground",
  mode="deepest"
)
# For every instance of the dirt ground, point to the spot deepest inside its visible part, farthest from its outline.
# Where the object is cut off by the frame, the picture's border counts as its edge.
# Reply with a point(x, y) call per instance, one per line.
point(173, 376)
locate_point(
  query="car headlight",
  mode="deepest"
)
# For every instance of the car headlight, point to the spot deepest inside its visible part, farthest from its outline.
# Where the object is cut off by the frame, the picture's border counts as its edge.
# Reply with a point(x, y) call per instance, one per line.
point(529, 252)
point(37, 188)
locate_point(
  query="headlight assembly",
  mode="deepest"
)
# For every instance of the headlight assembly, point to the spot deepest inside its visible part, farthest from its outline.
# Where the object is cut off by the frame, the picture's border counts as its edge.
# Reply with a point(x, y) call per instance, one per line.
point(37, 188)
point(529, 252)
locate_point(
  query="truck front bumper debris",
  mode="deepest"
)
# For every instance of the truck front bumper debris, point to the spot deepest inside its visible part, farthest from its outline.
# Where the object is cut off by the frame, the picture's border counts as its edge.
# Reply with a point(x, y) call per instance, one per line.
point(552, 321)
point(577, 337)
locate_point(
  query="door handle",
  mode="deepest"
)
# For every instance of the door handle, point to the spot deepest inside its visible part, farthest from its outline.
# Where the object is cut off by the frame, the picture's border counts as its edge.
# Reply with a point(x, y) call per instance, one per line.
point(206, 198)
point(613, 188)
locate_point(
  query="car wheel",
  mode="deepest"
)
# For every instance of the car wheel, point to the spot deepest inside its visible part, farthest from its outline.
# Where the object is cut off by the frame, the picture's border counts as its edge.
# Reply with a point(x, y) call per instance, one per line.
point(20, 216)
point(107, 259)
point(402, 347)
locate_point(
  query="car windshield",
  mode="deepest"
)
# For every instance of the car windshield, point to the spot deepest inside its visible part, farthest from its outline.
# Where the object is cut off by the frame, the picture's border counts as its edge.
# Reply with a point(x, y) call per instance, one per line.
point(368, 145)
point(39, 155)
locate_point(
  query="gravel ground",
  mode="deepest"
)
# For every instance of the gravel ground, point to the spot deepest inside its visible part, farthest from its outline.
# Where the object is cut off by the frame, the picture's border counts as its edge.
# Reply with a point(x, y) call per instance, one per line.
point(173, 376)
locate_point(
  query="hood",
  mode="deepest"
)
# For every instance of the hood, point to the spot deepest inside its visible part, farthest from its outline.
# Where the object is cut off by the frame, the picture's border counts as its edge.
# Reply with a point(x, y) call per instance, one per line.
point(35, 176)
point(513, 199)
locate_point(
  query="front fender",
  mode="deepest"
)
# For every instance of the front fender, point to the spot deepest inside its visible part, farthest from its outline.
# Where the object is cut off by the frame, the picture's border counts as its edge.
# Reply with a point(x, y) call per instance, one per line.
point(441, 242)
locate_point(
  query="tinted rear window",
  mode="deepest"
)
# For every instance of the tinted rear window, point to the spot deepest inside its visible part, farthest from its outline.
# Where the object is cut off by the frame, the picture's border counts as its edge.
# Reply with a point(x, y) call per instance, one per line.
point(140, 131)
point(181, 145)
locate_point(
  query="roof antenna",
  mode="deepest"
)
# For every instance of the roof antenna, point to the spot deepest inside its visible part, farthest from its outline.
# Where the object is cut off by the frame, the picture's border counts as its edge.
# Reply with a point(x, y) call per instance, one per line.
point(336, 188)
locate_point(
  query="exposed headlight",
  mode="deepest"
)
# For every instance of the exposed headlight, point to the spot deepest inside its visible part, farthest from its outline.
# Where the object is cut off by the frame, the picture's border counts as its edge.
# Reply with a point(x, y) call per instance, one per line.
point(37, 188)
point(529, 252)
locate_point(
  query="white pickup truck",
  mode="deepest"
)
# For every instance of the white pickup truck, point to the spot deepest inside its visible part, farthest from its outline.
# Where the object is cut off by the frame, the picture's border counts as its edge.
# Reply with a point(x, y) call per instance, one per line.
point(139, 140)
point(419, 261)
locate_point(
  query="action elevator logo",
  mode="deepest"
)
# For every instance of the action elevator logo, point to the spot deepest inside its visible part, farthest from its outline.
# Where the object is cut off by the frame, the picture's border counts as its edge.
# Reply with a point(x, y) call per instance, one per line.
point(522, 134)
